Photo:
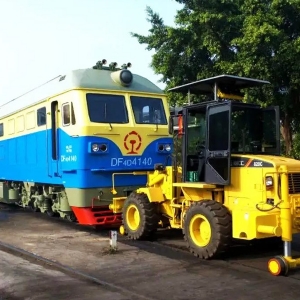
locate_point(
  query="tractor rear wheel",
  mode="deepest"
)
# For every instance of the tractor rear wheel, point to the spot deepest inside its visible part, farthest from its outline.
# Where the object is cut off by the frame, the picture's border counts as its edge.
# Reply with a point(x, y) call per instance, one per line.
point(207, 228)
point(139, 216)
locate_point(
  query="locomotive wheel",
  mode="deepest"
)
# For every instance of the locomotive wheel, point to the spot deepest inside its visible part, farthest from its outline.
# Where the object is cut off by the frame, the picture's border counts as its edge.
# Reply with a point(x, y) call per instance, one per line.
point(51, 213)
point(139, 216)
point(207, 228)
point(33, 208)
point(71, 217)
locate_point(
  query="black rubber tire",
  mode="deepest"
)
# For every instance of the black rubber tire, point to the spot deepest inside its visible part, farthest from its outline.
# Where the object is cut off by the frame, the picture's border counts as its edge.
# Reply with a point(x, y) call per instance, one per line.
point(221, 228)
point(148, 216)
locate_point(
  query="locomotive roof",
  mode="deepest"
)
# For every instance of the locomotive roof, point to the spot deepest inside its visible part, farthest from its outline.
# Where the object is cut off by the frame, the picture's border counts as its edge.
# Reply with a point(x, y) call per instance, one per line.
point(76, 79)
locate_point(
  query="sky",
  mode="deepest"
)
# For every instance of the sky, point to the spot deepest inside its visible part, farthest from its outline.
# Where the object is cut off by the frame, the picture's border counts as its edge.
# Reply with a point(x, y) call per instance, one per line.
point(41, 39)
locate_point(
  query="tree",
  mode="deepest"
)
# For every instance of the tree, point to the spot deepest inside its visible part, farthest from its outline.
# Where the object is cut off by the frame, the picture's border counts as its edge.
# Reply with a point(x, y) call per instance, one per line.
point(269, 48)
point(253, 38)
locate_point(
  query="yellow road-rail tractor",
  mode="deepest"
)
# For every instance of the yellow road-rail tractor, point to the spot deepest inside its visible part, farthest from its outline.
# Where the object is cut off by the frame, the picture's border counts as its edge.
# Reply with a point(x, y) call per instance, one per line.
point(232, 182)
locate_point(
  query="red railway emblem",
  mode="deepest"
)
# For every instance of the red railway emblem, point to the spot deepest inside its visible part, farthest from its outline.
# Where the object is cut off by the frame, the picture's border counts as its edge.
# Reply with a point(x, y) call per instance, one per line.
point(132, 142)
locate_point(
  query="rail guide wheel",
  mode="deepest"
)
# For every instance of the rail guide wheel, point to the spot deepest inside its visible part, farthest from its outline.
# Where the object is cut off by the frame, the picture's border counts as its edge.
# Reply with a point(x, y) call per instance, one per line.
point(207, 228)
point(122, 230)
point(139, 216)
point(278, 266)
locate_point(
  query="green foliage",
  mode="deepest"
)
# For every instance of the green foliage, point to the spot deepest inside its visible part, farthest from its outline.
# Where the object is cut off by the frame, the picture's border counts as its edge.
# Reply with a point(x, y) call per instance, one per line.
point(296, 149)
point(178, 150)
point(252, 38)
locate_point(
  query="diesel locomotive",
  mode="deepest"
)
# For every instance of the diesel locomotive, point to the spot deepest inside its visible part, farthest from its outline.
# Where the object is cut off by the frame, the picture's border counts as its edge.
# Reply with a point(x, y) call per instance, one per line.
point(70, 145)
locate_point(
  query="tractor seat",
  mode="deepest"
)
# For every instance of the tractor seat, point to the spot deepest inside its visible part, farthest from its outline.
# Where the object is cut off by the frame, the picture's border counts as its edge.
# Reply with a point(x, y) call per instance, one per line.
point(192, 162)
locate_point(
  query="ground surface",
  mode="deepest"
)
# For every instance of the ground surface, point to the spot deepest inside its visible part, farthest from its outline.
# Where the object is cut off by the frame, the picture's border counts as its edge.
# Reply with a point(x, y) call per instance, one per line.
point(20, 279)
point(139, 270)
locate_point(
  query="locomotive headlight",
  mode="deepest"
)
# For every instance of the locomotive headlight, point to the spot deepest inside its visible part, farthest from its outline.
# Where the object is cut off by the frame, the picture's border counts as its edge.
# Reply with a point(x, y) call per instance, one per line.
point(269, 181)
point(164, 148)
point(168, 147)
point(95, 147)
point(103, 147)
point(160, 147)
point(98, 148)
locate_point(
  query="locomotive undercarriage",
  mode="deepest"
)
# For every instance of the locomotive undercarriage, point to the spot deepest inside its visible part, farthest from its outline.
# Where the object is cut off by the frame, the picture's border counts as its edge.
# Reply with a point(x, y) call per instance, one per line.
point(51, 200)
point(85, 206)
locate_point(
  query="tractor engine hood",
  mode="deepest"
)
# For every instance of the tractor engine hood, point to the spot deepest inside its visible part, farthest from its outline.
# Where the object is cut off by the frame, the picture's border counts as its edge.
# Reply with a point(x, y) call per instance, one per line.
point(292, 165)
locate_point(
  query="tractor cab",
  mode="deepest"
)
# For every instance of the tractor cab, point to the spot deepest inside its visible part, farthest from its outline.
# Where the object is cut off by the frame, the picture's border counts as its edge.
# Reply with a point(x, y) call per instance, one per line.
point(217, 134)
point(234, 184)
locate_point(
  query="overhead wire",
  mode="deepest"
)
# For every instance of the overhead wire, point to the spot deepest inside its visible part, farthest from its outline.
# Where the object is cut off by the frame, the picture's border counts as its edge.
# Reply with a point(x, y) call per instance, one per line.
point(30, 91)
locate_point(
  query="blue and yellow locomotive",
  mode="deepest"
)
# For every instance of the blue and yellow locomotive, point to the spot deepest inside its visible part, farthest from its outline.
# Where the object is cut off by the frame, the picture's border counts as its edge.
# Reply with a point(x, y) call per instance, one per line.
point(70, 145)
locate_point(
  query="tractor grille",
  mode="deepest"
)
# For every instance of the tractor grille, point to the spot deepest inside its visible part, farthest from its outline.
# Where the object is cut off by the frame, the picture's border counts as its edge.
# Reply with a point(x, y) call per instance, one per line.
point(294, 183)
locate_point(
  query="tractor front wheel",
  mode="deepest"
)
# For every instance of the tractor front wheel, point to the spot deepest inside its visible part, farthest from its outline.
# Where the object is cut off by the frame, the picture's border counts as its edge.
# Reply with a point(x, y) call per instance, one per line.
point(139, 216)
point(207, 228)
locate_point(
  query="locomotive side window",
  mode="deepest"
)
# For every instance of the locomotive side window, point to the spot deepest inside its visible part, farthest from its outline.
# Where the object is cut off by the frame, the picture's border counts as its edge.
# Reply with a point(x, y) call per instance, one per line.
point(1, 129)
point(148, 110)
point(107, 108)
point(41, 116)
point(73, 120)
point(66, 114)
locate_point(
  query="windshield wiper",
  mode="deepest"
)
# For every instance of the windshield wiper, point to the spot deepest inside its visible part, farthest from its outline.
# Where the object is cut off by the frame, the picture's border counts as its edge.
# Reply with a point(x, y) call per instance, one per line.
point(105, 115)
point(155, 114)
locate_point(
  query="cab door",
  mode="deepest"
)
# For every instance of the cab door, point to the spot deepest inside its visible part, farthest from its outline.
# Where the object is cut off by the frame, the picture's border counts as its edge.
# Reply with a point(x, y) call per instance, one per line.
point(218, 141)
point(53, 138)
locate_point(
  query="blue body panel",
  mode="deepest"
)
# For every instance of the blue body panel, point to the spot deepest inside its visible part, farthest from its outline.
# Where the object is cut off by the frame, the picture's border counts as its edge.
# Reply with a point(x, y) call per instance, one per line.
point(29, 158)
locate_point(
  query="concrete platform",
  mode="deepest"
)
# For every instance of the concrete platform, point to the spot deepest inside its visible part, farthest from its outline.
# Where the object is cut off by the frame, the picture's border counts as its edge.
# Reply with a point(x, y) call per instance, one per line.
point(148, 269)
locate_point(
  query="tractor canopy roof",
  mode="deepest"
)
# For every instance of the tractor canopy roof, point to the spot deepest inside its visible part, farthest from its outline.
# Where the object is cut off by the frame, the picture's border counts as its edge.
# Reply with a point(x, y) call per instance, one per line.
point(228, 84)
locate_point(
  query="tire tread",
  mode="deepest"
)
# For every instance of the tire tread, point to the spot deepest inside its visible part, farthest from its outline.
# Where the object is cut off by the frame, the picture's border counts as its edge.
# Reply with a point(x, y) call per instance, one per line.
point(221, 226)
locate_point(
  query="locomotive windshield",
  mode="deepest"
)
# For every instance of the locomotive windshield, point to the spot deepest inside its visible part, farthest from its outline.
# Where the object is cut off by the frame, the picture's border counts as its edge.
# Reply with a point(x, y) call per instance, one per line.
point(104, 108)
point(148, 110)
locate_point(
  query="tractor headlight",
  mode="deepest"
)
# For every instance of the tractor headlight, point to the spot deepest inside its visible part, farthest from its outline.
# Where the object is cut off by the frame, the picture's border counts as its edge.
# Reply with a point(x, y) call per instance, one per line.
point(95, 147)
point(269, 181)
